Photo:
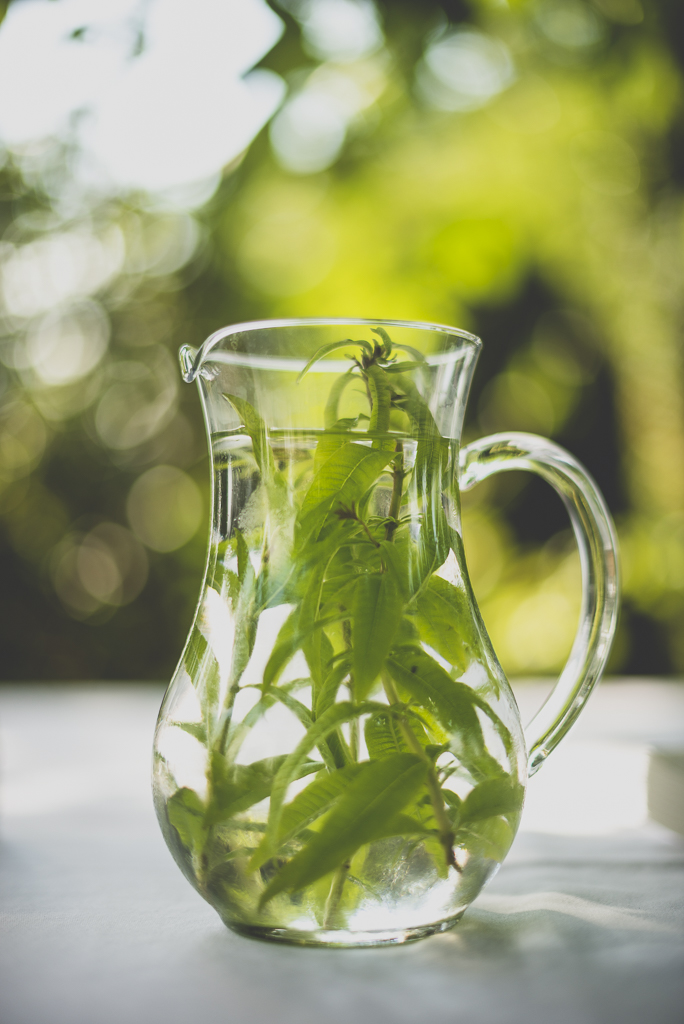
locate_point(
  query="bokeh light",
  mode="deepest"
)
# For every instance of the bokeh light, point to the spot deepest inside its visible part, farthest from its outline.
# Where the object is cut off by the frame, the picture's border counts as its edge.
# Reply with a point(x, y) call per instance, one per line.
point(164, 508)
point(464, 70)
point(105, 567)
point(155, 106)
point(513, 169)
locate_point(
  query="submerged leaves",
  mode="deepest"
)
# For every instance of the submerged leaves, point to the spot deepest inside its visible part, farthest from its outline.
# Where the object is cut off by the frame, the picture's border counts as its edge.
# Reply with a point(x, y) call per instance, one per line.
point(343, 478)
point(375, 619)
point(364, 814)
point(348, 545)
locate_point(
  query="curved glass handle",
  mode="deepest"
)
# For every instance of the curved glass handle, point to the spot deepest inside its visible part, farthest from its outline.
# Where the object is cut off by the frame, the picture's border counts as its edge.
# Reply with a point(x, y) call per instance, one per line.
point(597, 543)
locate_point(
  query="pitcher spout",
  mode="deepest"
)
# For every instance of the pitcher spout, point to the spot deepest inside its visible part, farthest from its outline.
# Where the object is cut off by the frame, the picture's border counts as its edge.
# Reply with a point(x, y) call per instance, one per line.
point(246, 356)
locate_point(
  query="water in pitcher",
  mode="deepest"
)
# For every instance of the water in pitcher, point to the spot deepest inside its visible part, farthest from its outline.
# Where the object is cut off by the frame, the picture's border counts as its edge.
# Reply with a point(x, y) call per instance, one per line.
point(336, 755)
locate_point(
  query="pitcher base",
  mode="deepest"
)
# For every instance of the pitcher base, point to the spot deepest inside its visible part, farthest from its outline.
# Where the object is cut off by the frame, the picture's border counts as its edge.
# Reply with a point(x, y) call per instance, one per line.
point(338, 938)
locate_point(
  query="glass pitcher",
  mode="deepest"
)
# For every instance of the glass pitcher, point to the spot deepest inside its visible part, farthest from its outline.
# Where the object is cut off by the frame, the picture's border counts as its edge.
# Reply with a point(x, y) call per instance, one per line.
point(339, 759)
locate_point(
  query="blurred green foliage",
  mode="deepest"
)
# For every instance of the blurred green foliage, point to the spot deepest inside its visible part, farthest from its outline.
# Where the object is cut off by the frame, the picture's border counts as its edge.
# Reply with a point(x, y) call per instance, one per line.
point(514, 169)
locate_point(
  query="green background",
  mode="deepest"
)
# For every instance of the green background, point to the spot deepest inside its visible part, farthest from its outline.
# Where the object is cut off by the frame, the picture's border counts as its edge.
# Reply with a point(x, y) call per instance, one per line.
point(548, 218)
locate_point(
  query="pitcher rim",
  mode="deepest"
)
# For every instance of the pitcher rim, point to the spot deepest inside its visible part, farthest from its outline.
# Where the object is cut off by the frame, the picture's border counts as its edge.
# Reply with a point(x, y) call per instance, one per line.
point(192, 361)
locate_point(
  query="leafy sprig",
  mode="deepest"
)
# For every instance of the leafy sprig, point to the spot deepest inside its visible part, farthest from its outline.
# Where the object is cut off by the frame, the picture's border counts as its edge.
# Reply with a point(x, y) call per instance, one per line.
point(384, 638)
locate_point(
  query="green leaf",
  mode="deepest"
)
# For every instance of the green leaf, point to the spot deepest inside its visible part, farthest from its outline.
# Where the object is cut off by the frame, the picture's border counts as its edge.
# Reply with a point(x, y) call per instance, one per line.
point(338, 591)
point(325, 350)
point(482, 765)
point(318, 652)
point(186, 813)
point(417, 355)
point(256, 428)
point(444, 617)
point(334, 437)
point(378, 607)
point(236, 787)
point(384, 735)
point(315, 565)
point(335, 716)
point(434, 541)
point(231, 579)
point(286, 645)
point(327, 445)
point(454, 805)
point(247, 619)
point(491, 798)
point(402, 367)
point(196, 729)
point(239, 730)
point(334, 396)
point(298, 709)
point(503, 731)
point(386, 340)
point(318, 797)
point(203, 668)
point(333, 681)
point(304, 715)
point(381, 404)
point(363, 814)
point(242, 554)
point(431, 476)
point(291, 639)
point(433, 687)
point(407, 632)
point(343, 478)
point(432, 450)
point(418, 411)
point(405, 825)
point(396, 555)
point(490, 838)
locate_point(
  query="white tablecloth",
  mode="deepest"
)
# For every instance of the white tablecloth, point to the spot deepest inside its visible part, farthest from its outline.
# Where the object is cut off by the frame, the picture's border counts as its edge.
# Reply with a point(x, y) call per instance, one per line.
point(583, 925)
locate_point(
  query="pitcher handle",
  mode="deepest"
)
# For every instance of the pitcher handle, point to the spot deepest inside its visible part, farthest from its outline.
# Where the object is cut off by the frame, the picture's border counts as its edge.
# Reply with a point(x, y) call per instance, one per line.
point(595, 535)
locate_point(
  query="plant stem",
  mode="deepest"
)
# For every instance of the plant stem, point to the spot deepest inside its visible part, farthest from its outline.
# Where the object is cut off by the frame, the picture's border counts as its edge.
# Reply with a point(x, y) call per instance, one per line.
point(354, 724)
point(397, 490)
point(335, 895)
point(446, 832)
point(354, 740)
point(370, 536)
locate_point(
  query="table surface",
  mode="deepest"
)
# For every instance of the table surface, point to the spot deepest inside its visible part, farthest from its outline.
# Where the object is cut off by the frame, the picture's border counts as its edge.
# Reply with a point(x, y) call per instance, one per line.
point(584, 924)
